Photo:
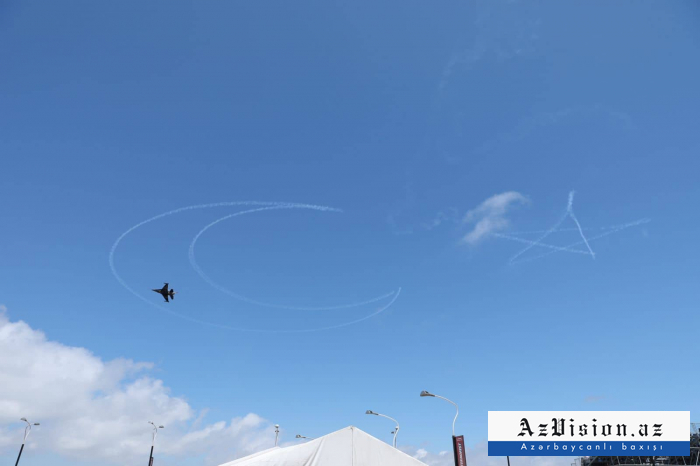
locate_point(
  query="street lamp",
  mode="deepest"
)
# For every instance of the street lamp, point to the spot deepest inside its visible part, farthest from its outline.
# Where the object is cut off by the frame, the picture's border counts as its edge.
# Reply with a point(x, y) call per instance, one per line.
point(153, 441)
point(24, 440)
point(307, 438)
point(457, 442)
point(396, 431)
point(277, 433)
point(426, 393)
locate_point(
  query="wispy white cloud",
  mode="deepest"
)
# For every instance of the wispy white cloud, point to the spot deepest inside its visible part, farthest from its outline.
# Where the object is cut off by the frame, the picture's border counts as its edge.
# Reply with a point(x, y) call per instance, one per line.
point(391, 220)
point(490, 215)
point(502, 30)
point(444, 216)
point(539, 121)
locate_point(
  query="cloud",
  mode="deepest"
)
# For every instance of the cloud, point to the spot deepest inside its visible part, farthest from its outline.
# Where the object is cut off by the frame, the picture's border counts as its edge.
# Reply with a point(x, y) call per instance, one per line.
point(539, 121)
point(502, 30)
point(489, 216)
point(450, 215)
point(93, 410)
point(97, 410)
point(479, 455)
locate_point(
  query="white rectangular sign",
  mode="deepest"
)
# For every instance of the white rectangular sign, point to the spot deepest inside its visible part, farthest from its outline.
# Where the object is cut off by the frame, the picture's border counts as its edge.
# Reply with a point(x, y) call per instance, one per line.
point(623, 433)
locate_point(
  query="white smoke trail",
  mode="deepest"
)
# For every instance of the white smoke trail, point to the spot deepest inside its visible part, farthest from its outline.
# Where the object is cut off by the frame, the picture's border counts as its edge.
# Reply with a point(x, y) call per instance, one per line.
point(590, 251)
point(530, 243)
point(532, 232)
point(539, 240)
point(544, 245)
point(345, 324)
point(570, 210)
point(269, 205)
point(570, 248)
point(198, 269)
point(593, 238)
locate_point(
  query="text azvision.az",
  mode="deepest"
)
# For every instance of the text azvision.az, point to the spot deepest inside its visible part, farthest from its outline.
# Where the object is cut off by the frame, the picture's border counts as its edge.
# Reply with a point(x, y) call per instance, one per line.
point(558, 429)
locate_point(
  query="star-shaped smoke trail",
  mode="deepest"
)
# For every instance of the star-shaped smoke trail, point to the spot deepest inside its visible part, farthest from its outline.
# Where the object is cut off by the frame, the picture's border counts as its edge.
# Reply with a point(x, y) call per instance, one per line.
point(571, 248)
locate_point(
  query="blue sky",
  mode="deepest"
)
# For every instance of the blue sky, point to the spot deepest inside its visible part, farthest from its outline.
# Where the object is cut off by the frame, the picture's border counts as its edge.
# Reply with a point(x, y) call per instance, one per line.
point(405, 115)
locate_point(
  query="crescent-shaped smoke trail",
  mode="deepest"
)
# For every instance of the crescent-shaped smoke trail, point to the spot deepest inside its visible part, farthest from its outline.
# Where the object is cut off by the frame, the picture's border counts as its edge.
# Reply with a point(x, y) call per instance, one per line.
point(268, 206)
point(205, 277)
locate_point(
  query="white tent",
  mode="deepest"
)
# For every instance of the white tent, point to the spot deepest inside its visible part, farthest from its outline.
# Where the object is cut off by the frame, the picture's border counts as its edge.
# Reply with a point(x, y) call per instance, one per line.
point(346, 447)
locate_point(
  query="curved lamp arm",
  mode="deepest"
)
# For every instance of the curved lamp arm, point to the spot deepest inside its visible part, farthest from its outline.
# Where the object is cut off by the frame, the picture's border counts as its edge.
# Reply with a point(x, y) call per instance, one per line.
point(396, 431)
point(155, 432)
point(426, 393)
point(456, 407)
point(27, 429)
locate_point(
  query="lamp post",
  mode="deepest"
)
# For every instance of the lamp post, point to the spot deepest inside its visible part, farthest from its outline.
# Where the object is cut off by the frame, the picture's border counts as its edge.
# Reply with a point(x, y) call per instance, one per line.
point(277, 433)
point(307, 438)
point(457, 441)
point(24, 440)
point(153, 441)
point(396, 430)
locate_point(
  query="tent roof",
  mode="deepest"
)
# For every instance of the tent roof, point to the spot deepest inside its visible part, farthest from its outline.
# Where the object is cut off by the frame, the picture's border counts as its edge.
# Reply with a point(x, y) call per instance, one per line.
point(345, 447)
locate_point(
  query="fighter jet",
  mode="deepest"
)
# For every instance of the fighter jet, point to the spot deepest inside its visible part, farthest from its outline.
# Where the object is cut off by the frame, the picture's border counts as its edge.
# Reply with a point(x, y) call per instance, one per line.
point(165, 293)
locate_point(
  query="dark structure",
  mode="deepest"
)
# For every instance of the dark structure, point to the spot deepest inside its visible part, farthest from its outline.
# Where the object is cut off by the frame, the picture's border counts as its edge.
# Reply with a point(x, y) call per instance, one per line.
point(693, 459)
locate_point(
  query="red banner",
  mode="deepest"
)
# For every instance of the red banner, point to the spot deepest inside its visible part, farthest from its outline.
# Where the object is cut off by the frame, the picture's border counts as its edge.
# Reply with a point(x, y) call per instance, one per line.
point(458, 445)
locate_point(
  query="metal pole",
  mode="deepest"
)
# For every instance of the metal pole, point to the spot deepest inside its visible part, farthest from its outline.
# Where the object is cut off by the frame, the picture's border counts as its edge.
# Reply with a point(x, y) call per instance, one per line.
point(20, 455)
point(396, 430)
point(277, 433)
point(508, 458)
point(457, 407)
point(27, 430)
point(153, 441)
point(456, 441)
